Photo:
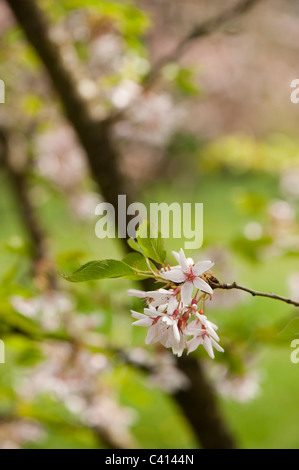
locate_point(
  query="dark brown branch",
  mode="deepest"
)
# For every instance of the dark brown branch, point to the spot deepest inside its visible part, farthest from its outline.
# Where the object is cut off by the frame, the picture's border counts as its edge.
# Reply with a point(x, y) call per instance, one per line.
point(204, 29)
point(234, 285)
point(93, 134)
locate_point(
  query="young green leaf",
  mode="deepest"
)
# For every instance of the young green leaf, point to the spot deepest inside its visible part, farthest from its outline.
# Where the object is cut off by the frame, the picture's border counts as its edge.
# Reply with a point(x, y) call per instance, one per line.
point(135, 246)
point(150, 240)
point(100, 269)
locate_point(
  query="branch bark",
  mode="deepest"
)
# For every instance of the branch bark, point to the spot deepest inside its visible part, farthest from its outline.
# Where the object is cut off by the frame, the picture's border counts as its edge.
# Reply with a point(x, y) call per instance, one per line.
point(234, 285)
point(93, 134)
point(200, 407)
point(203, 29)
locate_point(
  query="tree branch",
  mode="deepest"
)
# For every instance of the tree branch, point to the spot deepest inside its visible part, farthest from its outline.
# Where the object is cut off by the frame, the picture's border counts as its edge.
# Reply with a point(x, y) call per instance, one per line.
point(217, 285)
point(203, 29)
point(199, 405)
point(93, 134)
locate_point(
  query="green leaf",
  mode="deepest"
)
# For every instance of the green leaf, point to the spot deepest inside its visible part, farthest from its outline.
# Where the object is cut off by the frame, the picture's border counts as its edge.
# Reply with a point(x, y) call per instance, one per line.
point(136, 260)
point(150, 240)
point(135, 246)
point(100, 269)
point(290, 331)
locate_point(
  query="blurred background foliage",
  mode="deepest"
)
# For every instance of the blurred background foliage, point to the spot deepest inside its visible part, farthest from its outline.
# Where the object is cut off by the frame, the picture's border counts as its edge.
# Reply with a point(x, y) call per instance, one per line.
point(217, 127)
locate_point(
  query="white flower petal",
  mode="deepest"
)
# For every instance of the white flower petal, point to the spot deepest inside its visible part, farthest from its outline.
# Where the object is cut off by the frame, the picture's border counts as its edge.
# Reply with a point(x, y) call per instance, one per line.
point(136, 293)
point(152, 332)
point(163, 338)
point(176, 332)
point(186, 293)
point(179, 349)
point(202, 318)
point(162, 309)
point(212, 333)
point(138, 315)
point(201, 267)
point(157, 294)
point(202, 285)
point(172, 305)
point(143, 322)
point(215, 327)
point(160, 297)
point(157, 302)
point(151, 311)
point(165, 291)
point(177, 256)
point(174, 275)
point(216, 345)
point(194, 331)
point(167, 320)
point(183, 262)
point(208, 346)
point(194, 343)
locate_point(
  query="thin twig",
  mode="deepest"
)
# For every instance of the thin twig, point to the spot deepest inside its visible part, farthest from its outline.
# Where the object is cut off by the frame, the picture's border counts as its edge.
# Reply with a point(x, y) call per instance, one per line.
point(255, 293)
point(203, 29)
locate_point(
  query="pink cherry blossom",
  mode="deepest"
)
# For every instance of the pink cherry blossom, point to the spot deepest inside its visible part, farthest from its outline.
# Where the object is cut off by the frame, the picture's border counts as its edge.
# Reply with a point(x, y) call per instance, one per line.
point(203, 332)
point(188, 273)
point(173, 317)
point(155, 297)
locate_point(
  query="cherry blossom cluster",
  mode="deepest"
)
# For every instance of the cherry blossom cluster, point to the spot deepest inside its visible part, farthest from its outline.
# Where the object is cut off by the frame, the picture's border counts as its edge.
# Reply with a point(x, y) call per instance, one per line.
point(175, 314)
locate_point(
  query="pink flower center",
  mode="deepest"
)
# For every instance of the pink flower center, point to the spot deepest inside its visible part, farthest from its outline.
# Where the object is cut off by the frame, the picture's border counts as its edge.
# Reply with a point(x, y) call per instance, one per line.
point(190, 276)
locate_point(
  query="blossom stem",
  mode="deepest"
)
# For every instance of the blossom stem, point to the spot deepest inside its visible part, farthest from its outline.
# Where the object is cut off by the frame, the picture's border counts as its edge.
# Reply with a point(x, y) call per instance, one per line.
point(217, 285)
